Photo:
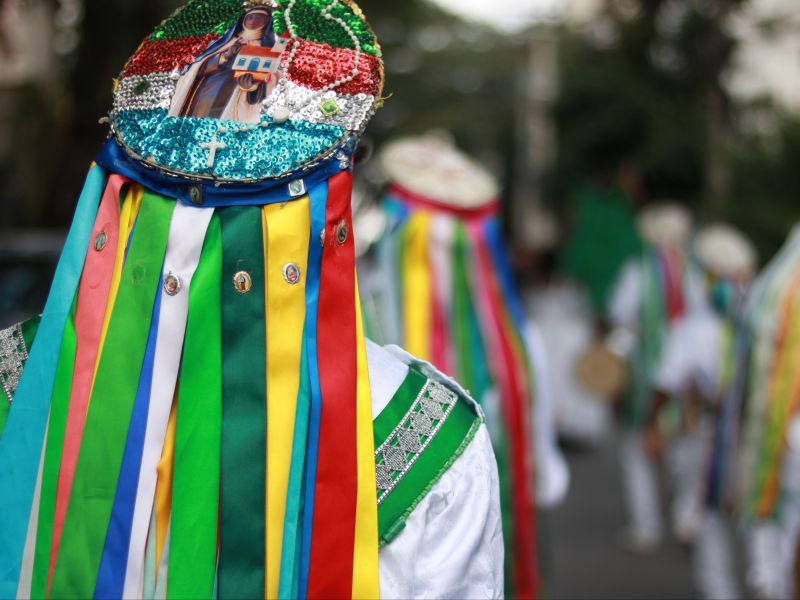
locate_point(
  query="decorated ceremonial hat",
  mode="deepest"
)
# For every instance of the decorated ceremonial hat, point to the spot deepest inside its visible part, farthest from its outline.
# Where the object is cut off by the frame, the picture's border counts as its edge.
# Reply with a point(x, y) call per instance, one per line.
point(431, 167)
point(665, 223)
point(235, 92)
point(725, 252)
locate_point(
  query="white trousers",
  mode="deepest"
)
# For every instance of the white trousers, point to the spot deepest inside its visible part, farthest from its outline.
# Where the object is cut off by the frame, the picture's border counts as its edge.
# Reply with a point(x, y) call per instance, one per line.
point(687, 461)
point(772, 544)
point(640, 488)
point(714, 562)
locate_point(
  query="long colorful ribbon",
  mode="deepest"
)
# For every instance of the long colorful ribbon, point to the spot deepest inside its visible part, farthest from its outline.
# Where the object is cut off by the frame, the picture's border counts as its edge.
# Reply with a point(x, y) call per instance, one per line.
point(286, 258)
point(91, 308)
point(334, 522)
point(195, 494)
point(23, 436)
point(244, 410)
point(116, 382)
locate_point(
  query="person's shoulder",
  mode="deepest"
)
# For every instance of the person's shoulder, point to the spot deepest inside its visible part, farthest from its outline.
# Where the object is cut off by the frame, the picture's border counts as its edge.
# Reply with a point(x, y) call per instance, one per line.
point(420, 431)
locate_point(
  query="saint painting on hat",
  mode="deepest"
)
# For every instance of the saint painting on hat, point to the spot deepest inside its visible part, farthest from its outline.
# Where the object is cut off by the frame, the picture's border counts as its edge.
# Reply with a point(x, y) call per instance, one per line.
point(235, 73)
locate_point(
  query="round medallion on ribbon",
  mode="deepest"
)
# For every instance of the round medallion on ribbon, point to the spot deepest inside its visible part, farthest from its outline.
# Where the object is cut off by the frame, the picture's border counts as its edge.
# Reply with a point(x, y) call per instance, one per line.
point(237, 92)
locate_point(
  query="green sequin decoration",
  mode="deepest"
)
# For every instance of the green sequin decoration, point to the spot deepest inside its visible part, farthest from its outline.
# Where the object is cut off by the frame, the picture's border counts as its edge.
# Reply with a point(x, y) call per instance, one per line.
point(309, 25)
point(200, 17)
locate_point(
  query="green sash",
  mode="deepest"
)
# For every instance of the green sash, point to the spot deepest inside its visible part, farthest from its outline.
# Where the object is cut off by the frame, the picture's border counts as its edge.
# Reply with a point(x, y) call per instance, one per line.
point(421, 432)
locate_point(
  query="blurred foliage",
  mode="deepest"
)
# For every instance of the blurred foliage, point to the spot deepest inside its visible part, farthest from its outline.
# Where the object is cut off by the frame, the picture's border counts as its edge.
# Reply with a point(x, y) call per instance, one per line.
point(642, 86)
point(639, 86)
point(443, 73)
point(765, 188)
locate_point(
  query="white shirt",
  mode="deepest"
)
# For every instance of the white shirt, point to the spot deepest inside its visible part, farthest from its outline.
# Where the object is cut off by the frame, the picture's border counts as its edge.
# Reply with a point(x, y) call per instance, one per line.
point(452, 543)
point(692, 355)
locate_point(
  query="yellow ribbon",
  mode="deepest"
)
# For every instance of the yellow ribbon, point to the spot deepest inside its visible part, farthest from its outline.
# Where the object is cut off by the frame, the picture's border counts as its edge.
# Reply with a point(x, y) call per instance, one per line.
point(286, 248)
point(417, 287)
point(784, 386)
point(164, 484)
point(365, 550)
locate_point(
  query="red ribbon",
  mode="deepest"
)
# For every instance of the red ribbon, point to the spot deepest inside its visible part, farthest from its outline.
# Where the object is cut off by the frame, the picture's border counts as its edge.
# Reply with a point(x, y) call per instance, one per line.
point(673, 283)
point(416, 200)
point(510, 377)
point(334, 521)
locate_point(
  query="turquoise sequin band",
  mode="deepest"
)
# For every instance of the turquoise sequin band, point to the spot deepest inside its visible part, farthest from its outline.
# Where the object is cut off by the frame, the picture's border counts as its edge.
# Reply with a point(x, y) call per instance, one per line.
point(177, 143)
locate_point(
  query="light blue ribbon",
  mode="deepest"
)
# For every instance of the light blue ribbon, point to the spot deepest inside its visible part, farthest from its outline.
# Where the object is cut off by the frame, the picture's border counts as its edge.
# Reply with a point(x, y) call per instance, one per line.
point(21, 444)
point(318, 199)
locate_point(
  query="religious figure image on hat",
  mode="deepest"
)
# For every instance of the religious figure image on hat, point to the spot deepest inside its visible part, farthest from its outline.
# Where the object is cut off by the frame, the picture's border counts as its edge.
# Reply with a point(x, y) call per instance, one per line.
point(234, 75)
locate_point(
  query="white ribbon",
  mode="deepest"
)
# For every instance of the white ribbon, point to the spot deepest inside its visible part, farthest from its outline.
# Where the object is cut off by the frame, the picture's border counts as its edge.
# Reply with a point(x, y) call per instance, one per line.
point(186, 235)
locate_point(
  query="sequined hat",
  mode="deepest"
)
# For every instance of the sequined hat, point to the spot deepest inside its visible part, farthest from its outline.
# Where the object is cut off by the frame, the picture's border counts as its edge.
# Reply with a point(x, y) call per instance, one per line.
point(204, 99)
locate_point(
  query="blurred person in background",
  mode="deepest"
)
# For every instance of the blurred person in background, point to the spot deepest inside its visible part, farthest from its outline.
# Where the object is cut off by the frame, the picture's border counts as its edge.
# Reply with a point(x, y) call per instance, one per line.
point(652, 291)
point(695, 370)
point(768, 464)
point(441, 285)
point(564, 318)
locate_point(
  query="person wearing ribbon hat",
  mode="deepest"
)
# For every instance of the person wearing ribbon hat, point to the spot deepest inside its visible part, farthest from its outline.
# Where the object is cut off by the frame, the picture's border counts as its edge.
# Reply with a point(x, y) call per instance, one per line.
point(697, 369)
point(441, 285)
point(198, 414)
point(651, 292)
point(767, 468)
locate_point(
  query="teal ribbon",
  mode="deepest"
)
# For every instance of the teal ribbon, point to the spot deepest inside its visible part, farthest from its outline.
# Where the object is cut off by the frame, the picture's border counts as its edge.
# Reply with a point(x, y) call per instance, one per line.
point(21, 444)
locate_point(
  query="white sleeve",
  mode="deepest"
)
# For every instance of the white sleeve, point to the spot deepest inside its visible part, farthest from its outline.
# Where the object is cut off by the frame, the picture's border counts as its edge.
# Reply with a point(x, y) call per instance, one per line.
point(452, 543)
point(623, 306)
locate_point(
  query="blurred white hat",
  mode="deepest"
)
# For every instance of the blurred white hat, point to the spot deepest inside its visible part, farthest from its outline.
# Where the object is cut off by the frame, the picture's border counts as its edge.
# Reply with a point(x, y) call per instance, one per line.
point(431, 166)
point(725, 252)
point(665, 224)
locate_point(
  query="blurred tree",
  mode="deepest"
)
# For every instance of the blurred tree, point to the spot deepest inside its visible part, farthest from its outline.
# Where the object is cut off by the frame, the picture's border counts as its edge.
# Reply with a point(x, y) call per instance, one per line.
point(643, 84)
point(444, 73)
point(765, 186)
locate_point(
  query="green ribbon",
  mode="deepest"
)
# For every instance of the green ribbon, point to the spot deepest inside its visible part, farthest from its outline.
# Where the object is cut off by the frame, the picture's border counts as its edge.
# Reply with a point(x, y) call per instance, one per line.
point(112, 399)
point(473, 373)
point(195, 486)
point(59, 406)
point(244, 411)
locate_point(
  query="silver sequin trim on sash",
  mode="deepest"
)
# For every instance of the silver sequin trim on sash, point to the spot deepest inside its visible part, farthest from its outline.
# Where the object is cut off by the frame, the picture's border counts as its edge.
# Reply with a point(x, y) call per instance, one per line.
point(13, 354)
point(406, 443)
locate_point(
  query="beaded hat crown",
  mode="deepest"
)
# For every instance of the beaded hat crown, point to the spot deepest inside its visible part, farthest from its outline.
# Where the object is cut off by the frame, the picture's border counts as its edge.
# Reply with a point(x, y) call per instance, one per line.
point(234, 92)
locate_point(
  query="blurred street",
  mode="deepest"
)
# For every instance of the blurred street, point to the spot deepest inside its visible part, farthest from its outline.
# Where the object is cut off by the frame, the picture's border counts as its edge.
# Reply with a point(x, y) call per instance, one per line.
point(585, 557)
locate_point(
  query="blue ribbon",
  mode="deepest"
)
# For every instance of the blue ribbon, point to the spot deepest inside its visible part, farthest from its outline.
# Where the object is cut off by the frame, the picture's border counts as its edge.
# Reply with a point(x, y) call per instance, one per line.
point(318, 199)
point(497, 249)
point(113, 564)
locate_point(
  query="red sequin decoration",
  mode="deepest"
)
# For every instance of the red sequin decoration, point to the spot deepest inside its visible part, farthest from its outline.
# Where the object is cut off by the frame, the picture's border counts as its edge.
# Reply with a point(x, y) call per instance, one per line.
point(317, 65)
point(166, 55)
